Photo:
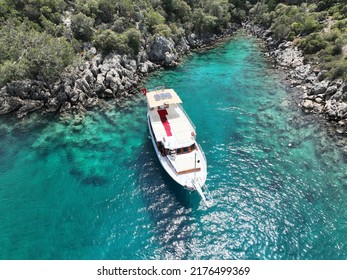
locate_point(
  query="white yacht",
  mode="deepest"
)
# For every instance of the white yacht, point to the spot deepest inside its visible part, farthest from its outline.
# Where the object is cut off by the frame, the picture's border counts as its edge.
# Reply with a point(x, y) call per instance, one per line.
point(174, 139)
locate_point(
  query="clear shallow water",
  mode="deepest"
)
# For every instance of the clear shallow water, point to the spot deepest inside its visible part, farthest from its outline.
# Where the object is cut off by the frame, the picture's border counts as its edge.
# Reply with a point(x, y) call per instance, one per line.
point(94, 189)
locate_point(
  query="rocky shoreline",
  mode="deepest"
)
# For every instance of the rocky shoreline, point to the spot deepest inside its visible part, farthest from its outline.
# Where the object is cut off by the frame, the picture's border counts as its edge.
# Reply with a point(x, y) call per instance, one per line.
point(319, 95)
point(99, 78)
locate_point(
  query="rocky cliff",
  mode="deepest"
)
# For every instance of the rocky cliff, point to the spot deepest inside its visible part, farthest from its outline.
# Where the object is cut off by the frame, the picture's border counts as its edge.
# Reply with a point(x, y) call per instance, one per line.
point(102, 77)
point(321, 96)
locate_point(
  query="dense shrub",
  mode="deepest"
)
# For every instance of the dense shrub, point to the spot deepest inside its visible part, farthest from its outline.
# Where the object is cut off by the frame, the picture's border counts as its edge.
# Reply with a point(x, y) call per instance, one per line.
point(339, 70)
point(82, 27)
point(108, 41)
point(28, 53)
point(133, 40)
point(312, 43)
point(154, 18)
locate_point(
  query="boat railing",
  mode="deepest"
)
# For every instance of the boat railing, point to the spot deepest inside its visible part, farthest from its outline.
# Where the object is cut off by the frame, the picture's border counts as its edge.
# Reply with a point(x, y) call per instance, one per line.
point(188, 118)
point(202, 152)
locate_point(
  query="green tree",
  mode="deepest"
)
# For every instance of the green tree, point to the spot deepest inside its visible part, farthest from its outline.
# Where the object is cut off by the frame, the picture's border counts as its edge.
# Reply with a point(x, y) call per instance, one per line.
point(154, 18)
point(108, 41)
point(82, 26)
point(202, 22)
point(26, 53)
point(182, 10)
point(312, 43)
point(133, 39)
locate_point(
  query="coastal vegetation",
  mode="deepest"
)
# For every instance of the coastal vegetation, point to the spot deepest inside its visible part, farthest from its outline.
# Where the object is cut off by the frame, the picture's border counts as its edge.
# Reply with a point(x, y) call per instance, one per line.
point(38, 39)
point(65, 54)
point(318, 28)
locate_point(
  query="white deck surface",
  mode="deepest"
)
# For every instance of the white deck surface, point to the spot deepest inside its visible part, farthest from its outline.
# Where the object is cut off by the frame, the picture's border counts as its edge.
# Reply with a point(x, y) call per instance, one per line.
point(181, 128)
point(185, 162)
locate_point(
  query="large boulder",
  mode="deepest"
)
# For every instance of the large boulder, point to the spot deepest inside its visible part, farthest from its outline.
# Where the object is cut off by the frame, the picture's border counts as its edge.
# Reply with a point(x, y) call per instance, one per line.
point(99, 85)
point(331, 91)
point(146, 67)
point(183, 46)
point(311, 106)
point(290, 56)
point(319, 88)
point(162, 48)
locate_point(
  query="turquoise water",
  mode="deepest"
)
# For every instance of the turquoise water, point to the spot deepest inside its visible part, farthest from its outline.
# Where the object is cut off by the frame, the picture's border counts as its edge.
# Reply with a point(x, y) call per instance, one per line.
point(92, 188)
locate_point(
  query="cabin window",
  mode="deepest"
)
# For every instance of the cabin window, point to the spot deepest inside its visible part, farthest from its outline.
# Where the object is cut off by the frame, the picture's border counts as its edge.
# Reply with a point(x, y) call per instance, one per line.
point(185, 149)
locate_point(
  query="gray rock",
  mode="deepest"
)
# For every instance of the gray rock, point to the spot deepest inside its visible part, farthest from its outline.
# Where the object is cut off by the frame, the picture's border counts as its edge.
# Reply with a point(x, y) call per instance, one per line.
point(159, 47)
point(9, 104)
point(338, 82)
point(319, 88)
point(82, 97)
point(35, 95)
point(182, 46)
point(94, 69)
point(146, 67)
point(82, 85)
point(321, 75)
point(133, 65)
point(91, 102)
point(289, 56)
point(192, 40)
point(75, 96)
point(45, 96)
point(344, 87)
point(307, 104)
point(62, 97)
point(88, 76)
point(99, 86)
point(312, 106)
point(112, 80)
point(318, 99)
point(341, 110)
point(109, 93)
point(169, 59)
point(29, 106)
point(302, 71)
point(65, 107)
point(311, 78)
point(331, 90)
point(143, 57)
point(53, 104)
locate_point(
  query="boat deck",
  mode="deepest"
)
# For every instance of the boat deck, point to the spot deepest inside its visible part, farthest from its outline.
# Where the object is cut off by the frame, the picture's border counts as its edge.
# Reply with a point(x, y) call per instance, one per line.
point(172, 126)
point(186, 163)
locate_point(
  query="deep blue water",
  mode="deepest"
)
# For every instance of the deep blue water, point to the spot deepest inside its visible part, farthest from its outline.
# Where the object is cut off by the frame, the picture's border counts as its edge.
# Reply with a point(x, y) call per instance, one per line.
point(93, 188)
